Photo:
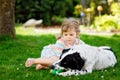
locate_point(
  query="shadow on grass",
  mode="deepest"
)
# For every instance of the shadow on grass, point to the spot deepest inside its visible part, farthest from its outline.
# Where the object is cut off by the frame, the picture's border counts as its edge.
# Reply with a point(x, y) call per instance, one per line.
point(14, 52)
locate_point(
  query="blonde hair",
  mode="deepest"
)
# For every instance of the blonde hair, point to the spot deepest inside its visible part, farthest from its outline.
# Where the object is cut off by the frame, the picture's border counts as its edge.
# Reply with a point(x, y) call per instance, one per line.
point(69, 24)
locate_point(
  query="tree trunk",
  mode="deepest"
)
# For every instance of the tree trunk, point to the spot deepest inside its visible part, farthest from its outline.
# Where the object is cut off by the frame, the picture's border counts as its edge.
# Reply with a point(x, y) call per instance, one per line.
point(7, 18)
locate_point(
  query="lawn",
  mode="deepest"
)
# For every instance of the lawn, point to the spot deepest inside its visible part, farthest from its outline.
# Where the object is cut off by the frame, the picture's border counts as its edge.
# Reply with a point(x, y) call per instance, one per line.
point(13, 54)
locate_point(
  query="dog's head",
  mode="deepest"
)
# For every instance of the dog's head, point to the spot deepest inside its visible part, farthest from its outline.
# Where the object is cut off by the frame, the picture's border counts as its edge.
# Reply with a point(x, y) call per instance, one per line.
point(69, 59)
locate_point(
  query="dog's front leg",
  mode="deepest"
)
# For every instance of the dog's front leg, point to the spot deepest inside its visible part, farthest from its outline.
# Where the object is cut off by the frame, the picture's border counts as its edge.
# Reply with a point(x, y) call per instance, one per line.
point(68, 73)
point(73, 72)
point(87, 69)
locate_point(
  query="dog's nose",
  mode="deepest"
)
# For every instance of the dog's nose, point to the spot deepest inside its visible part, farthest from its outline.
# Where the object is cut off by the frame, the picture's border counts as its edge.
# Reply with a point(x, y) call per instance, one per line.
point(52, 67)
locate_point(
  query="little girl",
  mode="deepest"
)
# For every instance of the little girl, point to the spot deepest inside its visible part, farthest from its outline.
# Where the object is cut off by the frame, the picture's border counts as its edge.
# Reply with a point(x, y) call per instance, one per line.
point(51, 53)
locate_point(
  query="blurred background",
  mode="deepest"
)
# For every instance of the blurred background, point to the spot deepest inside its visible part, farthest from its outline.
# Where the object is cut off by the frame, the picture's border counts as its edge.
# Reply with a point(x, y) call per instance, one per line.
point(100, 14)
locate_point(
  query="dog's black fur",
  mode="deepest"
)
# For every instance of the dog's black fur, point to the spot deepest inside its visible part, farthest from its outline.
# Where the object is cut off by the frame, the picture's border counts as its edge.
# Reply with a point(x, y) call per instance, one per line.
point(72, 61)
point(64, 51)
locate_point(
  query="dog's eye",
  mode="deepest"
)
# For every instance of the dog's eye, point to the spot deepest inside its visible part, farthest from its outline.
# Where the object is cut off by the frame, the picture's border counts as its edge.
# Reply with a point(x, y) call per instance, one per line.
point(64, 63)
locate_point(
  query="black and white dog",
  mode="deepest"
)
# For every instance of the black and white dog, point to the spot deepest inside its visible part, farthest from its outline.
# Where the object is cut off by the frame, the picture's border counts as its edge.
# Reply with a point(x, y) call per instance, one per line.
point(82, 59)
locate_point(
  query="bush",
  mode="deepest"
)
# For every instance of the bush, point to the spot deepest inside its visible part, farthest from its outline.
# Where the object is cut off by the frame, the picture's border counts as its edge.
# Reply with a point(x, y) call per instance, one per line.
point(115, 8)
point(43, 9)
point(106, 22)
point(56, 20)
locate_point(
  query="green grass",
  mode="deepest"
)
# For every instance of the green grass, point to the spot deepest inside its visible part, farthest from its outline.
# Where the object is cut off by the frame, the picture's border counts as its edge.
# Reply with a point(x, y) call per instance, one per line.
point(13, 54)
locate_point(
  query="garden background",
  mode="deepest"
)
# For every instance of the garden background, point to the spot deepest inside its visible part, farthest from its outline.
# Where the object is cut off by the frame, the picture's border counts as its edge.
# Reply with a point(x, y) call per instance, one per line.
point(17, 42)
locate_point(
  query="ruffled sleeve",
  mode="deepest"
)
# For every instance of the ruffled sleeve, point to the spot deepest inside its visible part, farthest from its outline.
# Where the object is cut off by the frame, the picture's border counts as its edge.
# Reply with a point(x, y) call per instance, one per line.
point(57, 47)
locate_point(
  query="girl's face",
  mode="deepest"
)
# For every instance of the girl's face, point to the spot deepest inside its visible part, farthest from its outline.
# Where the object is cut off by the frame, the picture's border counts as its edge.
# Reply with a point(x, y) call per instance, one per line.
point(70, 36)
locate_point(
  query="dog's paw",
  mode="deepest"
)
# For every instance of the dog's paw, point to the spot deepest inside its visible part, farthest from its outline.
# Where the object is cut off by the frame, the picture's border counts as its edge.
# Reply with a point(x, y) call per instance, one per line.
point(83, 72)
point(67, 73)
point(64, 74)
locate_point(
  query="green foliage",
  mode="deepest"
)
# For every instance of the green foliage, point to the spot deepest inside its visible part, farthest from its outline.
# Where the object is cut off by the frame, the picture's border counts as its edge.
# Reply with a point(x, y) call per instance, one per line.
point(115, 8)
point(117, 16)
point(13, 54)
point(43, 9)
point(56, 20)
point(78, 9)
point(109, 22)
point(106, 22)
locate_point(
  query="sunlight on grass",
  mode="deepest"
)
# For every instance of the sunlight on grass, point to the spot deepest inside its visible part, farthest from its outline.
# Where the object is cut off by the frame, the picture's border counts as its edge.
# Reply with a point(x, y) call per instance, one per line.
point(26, 31)
point(20, 30)
point(29, 43)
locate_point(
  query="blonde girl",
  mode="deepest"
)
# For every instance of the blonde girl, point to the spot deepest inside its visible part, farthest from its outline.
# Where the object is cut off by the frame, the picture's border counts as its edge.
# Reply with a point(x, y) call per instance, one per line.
point(69, 37)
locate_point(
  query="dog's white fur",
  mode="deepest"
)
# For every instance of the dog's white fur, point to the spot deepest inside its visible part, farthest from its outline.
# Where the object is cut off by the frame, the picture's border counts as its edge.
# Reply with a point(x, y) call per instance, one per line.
point(96, 58)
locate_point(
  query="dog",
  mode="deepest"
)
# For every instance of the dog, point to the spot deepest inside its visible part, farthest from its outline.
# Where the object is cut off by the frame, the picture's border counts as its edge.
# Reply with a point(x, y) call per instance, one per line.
point(83, 59)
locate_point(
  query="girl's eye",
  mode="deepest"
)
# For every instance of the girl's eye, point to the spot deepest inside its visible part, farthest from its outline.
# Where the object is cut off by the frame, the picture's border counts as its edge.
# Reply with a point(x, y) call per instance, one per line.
point(71, 34)
point(65, 34)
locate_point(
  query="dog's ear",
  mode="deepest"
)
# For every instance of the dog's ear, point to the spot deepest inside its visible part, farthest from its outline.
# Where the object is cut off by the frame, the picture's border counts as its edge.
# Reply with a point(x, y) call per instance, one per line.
point(64, 51)
point(79, 61)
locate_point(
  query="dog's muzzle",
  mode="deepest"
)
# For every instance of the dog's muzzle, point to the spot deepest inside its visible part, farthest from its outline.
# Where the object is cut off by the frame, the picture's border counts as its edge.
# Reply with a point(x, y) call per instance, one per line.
point(56, 66)
point(52, 67)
